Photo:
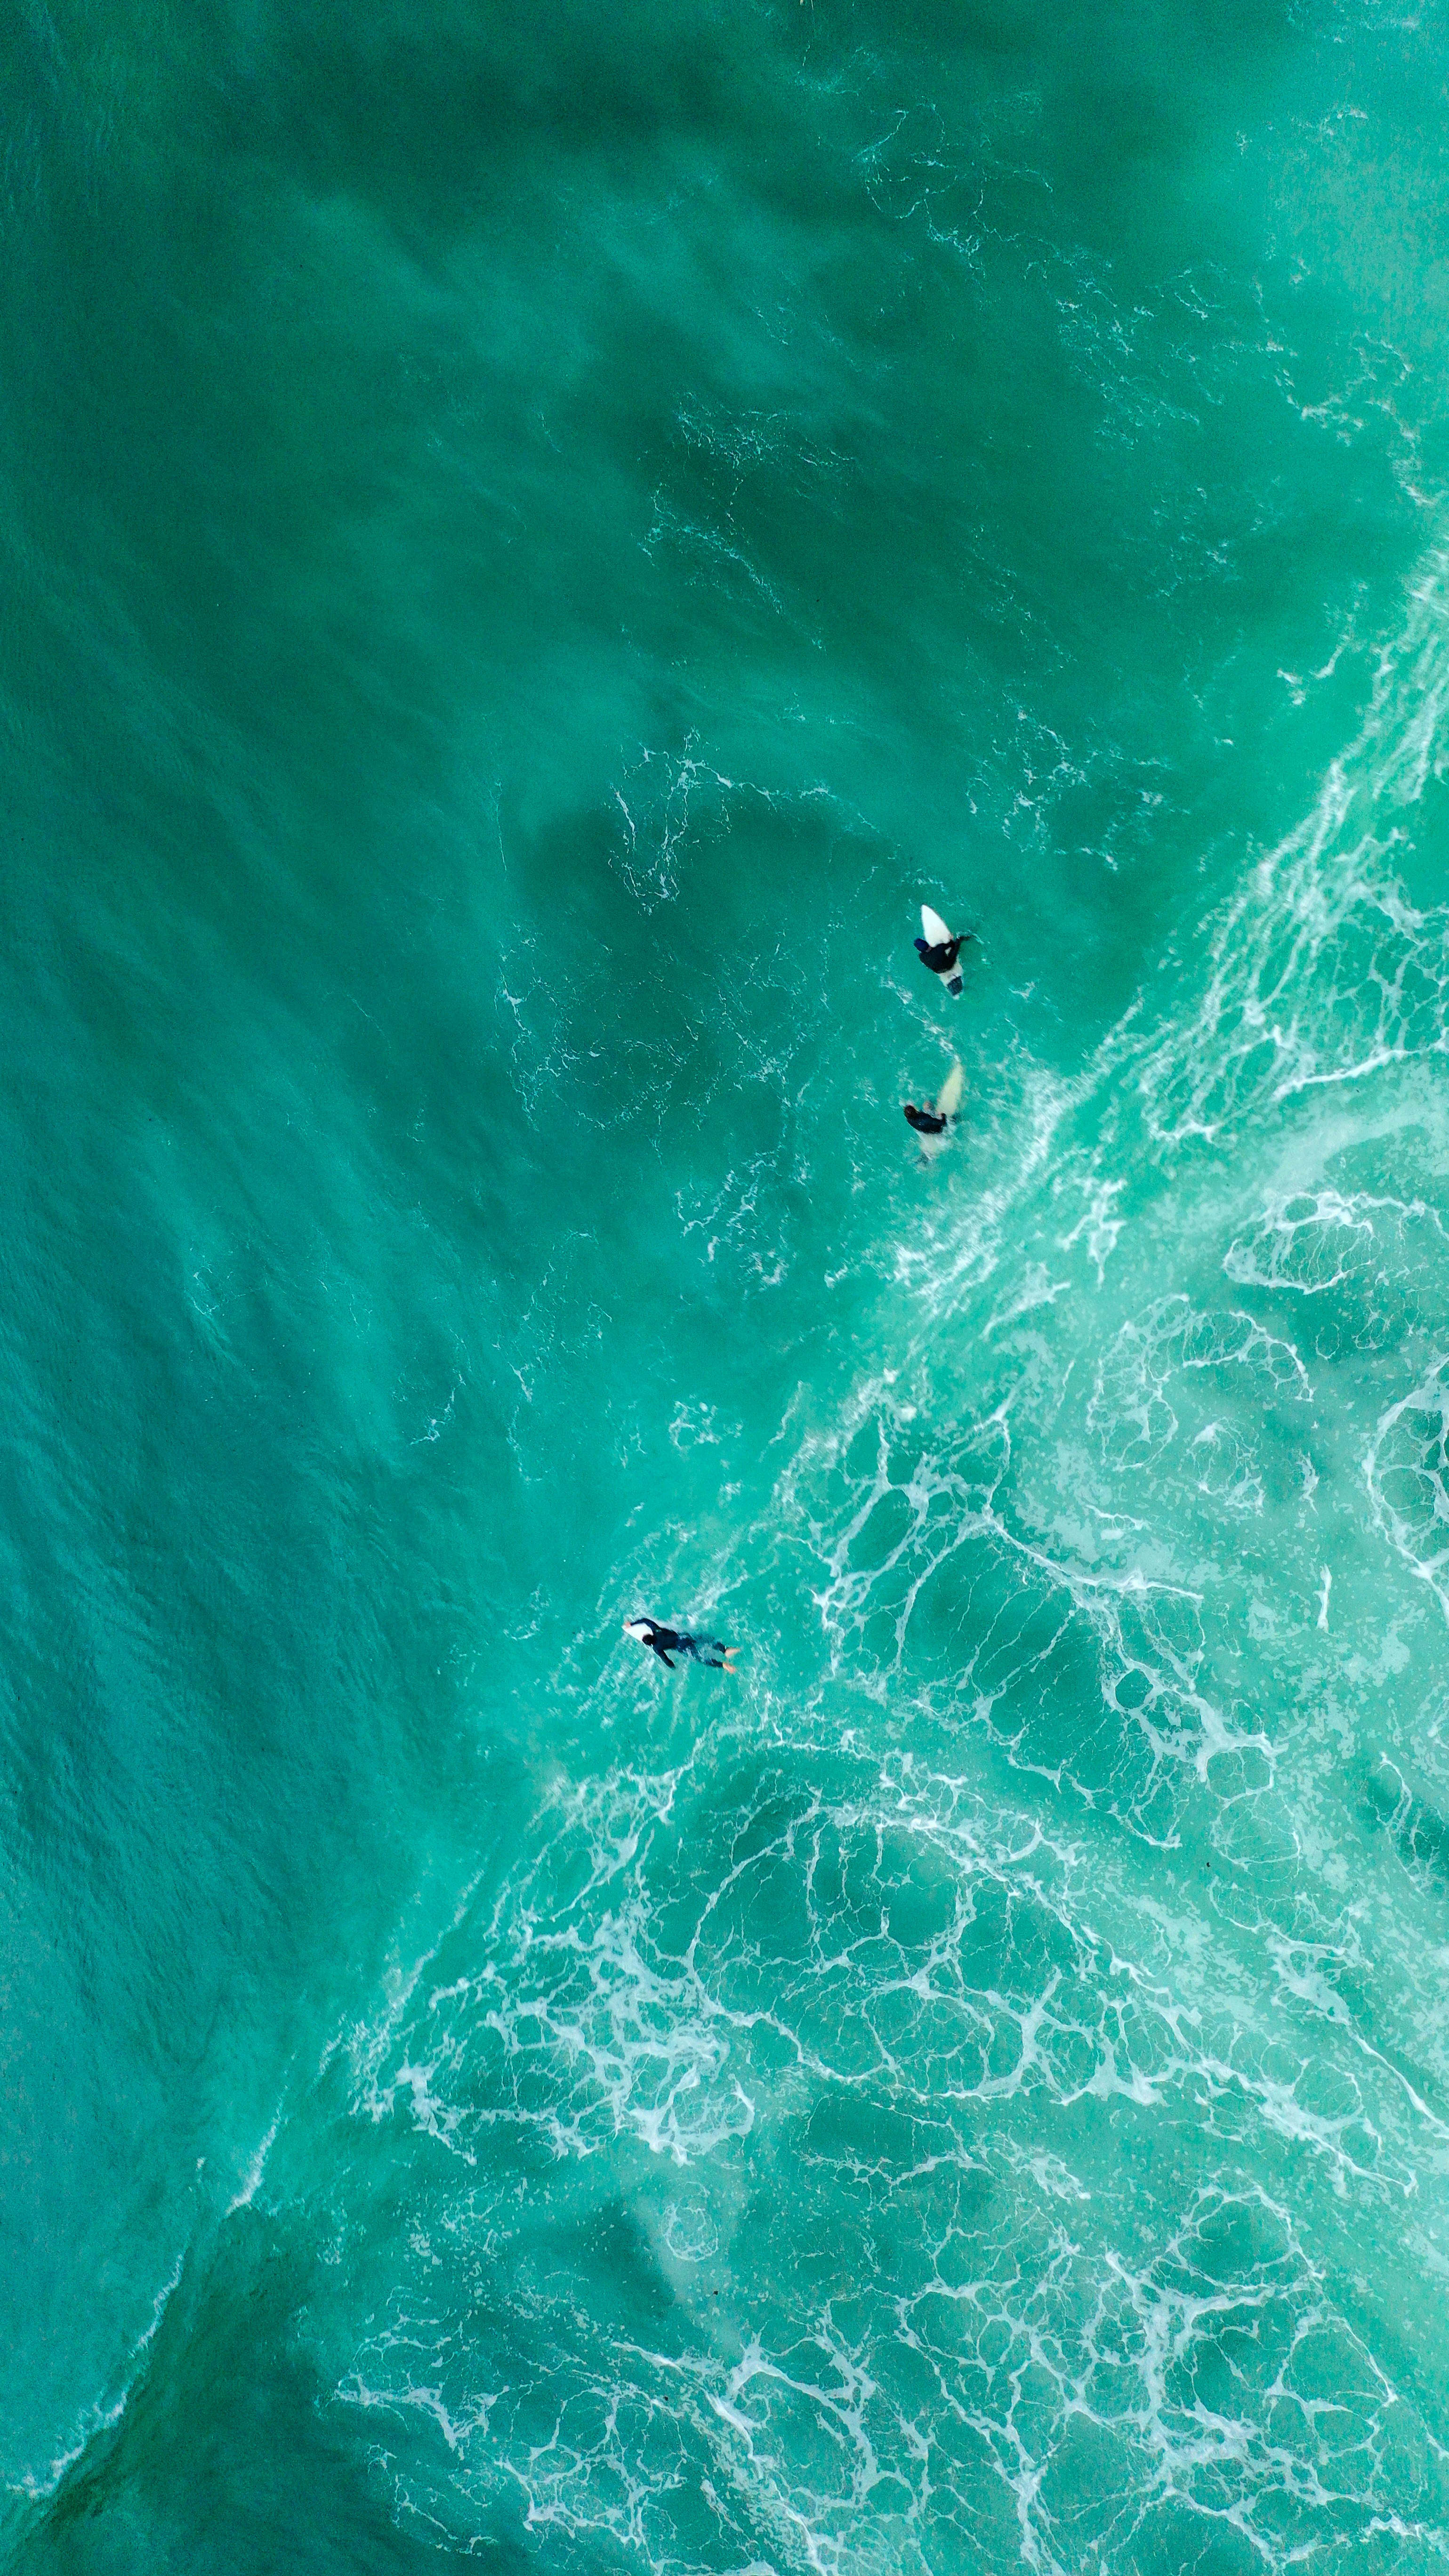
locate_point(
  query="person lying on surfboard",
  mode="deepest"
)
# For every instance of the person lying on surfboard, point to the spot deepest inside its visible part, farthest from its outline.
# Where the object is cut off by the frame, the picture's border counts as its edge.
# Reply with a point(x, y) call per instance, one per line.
point(939, 950)
point(667, 1642)
point(931, 1124)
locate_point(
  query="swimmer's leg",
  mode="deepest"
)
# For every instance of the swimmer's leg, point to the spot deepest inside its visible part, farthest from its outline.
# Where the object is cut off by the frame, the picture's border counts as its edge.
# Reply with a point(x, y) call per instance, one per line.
point(711, 1651)
point(707, 1650)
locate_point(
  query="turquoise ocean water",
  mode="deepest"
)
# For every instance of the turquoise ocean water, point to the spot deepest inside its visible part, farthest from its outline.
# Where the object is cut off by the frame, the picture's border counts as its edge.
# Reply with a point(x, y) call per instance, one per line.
point(530, 541)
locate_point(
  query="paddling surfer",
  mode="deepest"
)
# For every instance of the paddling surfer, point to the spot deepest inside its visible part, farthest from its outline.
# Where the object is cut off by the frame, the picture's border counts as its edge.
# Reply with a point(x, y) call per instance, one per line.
point(940, 949)
point(668, 1642)
point(926, 1122)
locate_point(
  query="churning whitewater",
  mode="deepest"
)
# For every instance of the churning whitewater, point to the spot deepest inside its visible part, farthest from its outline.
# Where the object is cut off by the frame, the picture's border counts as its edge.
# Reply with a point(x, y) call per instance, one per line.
point(1105, 1840)
point(725, 1834)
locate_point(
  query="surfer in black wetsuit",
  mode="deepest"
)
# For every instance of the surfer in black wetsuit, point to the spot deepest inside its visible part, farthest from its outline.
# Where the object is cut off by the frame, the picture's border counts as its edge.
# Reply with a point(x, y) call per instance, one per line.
point(941, 955)
point(668, 1642)
point(926, 1122)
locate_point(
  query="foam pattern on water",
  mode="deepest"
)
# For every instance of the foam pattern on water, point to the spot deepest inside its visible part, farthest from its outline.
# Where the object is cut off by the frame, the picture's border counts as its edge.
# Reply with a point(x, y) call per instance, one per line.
point(866, 2058)
point(1322, 972)
point(905, 1992)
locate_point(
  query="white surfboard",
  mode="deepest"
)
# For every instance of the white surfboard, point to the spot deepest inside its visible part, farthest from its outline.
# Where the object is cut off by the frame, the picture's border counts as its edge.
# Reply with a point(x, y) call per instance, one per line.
point(933, 928)
point(948, 1103)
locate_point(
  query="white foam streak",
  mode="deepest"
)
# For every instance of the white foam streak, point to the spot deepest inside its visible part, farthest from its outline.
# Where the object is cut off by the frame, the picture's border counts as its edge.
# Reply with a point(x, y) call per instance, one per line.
point(915, 1938)
point(106, 2413)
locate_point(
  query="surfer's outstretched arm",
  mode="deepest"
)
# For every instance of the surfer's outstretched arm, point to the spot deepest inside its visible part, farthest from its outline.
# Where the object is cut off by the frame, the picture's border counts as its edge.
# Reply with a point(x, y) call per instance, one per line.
point(647, 1632)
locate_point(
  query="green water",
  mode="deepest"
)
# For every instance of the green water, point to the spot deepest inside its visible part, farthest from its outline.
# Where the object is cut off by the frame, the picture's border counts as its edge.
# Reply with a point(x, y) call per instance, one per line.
point(530, 542)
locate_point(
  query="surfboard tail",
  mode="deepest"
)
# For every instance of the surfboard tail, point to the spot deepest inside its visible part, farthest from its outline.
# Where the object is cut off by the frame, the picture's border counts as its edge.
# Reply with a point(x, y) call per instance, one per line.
point(955, 984)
